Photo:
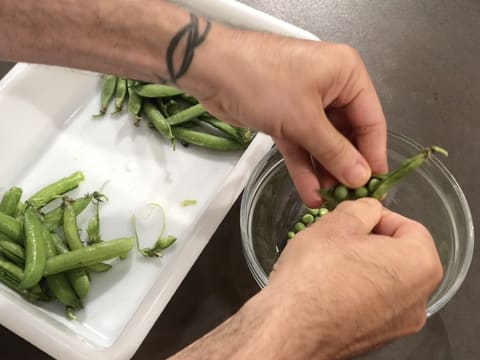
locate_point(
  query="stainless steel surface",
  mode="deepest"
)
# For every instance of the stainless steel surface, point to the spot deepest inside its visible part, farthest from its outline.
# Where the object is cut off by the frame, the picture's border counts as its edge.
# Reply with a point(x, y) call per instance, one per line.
point(424, 58)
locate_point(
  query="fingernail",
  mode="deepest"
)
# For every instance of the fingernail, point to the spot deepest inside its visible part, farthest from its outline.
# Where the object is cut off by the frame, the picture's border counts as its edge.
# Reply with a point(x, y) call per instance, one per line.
point(358, 174)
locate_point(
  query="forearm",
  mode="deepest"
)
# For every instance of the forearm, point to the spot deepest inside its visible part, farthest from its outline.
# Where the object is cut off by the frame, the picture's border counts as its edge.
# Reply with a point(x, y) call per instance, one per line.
point(262, 329)
point(122, 37)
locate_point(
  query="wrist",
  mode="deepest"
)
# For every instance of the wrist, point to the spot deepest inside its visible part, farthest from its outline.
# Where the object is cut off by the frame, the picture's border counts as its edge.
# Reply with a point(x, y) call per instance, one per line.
point(284, 330)
point(211, 63)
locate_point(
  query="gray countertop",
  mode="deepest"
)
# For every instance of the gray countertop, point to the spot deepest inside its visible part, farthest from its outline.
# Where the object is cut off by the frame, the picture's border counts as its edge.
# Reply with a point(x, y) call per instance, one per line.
point(423, 57)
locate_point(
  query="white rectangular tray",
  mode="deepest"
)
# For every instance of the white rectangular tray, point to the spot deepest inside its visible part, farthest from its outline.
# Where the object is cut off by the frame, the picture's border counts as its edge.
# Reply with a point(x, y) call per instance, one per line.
point(47, 132)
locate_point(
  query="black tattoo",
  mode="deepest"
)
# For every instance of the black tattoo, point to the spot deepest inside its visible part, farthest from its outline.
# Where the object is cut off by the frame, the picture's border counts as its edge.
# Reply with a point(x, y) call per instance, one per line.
point(193, 40)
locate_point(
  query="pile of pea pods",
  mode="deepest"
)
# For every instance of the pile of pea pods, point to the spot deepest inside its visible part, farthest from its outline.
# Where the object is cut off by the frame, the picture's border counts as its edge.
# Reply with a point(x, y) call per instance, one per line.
point(42, 255)
point(376, 187)
point(176, 115)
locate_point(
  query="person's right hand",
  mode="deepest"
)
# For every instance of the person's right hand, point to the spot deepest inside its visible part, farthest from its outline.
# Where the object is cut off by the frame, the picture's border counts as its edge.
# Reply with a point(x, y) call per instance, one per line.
point(314, 98)
point(355, 279)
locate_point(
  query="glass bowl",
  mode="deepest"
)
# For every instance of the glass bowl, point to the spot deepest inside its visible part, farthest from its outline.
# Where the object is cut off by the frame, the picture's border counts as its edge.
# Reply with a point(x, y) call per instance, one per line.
point(270, 206)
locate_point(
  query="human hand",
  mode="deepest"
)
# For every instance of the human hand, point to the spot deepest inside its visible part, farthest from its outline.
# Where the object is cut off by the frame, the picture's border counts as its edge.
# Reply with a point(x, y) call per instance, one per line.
point(359, 277)
point(314, 98)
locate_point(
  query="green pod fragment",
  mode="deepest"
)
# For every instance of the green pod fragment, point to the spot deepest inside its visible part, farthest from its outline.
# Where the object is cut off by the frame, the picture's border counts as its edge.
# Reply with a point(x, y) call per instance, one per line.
point(99, 268)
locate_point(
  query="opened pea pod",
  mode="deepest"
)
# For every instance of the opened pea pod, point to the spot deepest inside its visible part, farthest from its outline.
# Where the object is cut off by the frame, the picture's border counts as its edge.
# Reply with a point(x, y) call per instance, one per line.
point(377, 186)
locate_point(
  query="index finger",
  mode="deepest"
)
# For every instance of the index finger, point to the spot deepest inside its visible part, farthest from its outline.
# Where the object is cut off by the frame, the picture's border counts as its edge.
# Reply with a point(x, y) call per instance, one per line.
point(369, 128)
point(397, 226)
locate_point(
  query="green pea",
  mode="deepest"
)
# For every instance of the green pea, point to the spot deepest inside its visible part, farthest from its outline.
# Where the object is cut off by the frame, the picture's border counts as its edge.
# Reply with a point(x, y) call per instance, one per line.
point(298, 227)
point(373, 184)
point(317, 218)
point(323, 211)
point(360, 192)
point(290, 234)
point(307, 219)
point(313, 212)
point(341, 192)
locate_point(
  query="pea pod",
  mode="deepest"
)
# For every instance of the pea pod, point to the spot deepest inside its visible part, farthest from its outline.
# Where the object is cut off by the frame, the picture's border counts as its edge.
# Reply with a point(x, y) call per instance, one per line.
point(206, 140)
point(61, 248)
point(11, 227)
point(108, 91)
point(135, 101)
point(407, 167)
point(240, 135)
point(54, 218)
point(55, 189)
point(10, 201)
point(12, 275)
point(12, 251)
point(89, 255)
point(34, 249)
point(93, 227)
point(378, 184)
point(158, 121)
point(58, 283)
point(79, 277)
point(156, 90)
point(186, 115)
point(120, 95)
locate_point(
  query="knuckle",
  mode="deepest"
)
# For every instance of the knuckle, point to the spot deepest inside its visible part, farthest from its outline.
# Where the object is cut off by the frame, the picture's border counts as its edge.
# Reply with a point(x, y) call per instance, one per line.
point(350, 212)
point(335, 151)
point(350, 54)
